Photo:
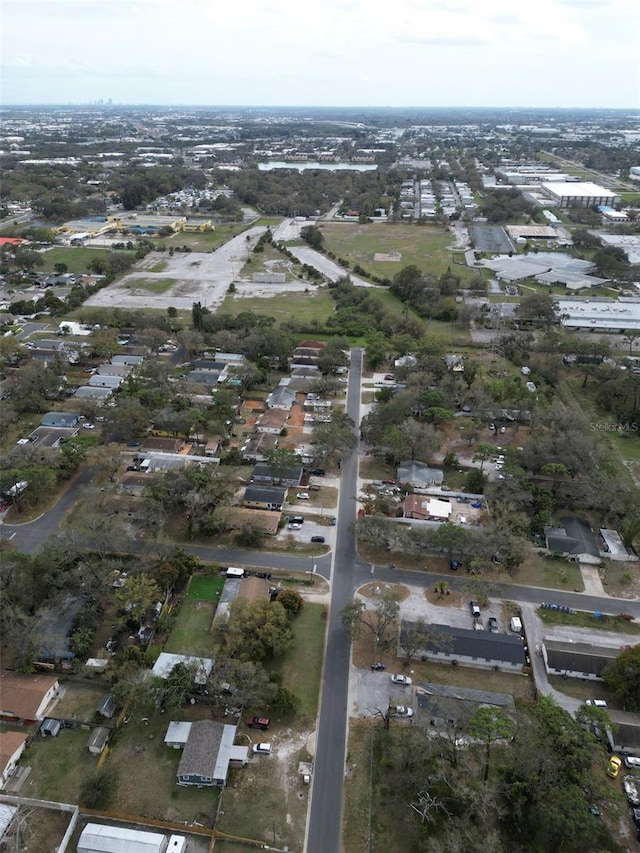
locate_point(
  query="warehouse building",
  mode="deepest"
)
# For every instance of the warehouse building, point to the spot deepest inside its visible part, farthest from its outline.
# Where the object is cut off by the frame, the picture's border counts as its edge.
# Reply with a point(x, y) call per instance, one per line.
point(98, 838)
point(579, 194)
point(602, 315)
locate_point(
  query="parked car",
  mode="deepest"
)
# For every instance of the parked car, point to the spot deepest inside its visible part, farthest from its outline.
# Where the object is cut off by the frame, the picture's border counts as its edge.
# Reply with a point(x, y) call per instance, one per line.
point(492, 624)
point(632, 761)
point(597, 703)
point(475, 608)
point(303, 496)
point(334, 521)
point(262, 723)
point(318, 539)
point(631, 785)
point(402, 711)
point(88, 426)
point(261, 749)
point(294, 526)
point(318, 472)
point(454, 565)
point(401, 679)
point(614, 766)
point(389, 482)
point(378, 666)
point(388, 377)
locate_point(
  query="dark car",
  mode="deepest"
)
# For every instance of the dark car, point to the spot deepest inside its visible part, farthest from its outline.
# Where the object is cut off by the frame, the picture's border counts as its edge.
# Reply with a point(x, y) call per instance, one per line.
point(388, 377)
point(318, 539)
point(318, 472)
point(262, 723)
point(378, 666)
point(492, 624)
point(454, 565)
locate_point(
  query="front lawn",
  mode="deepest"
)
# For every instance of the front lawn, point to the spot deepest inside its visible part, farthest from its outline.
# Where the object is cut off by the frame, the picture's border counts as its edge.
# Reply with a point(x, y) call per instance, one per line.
point(301, 667)
point(205, 587)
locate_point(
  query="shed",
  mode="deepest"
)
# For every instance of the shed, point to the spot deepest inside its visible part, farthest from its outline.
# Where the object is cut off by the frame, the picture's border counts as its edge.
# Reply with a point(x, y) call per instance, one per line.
point(98, 740)
point(98, 838)
point(106, 706)
point(50, 728)
point(177, 734)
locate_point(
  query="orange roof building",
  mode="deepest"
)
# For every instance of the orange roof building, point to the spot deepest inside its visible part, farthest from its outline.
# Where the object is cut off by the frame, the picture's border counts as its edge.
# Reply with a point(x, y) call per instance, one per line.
point(25, 697)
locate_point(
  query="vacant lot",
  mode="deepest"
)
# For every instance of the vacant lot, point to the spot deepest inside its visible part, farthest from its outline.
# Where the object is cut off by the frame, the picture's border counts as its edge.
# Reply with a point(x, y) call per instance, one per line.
point(314, 304)
point(301, 667)
point(588, 620)
point(191, 633)
point(58, 766)
point(76, 259)
point(78, 702)
point(151, 285)
point(426, 247)
point(205, 587)
point(206, 241)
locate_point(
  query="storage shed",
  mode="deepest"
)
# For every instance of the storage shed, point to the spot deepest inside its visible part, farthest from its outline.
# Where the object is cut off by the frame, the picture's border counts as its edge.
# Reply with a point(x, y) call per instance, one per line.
point(98, 740)
point(98, 838)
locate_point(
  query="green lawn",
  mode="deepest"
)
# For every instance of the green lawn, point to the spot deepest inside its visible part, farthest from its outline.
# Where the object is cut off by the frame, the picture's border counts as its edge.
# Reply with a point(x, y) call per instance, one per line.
point(205, 241)
point(76, 258)
point(588, 620)
point(159, 267)
point(191, 633)
point(152, 285)
point(301, 667)
point(58, 766)
point(205, 587)
point(425, 246)
point(315, 304)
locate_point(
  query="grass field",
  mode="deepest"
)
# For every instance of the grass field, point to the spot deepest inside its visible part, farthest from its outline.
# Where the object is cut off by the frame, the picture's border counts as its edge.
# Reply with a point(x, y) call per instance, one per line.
point(58, 766)
point(301, 667)
point(205, 588)
point(76, 259)
point(78, 702)
point(152, 285)
point(314, 305)
point(205, 241)
point(159, 267)
point(427, 247)
point(191, 634)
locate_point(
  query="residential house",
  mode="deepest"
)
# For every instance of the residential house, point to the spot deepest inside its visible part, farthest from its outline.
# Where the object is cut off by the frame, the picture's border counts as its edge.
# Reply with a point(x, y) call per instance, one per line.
point(121, 370)
point(264, 473)
point(125, 358)
point(162, 445)
point(313, 403)
point(92, 393)
point(311, 372)
point(272, 421)
point(24, 698)
point(165, 663)
point(577, 660)
point(60, 419)
point(258, 446)
point(12, 745)
point(264, 497)
point(210, 378)
point(208, 753)
point(573, 540)
point(444, 706)
point(427, 508)
point(299, 384)
point(281, 398)
point(101, 380)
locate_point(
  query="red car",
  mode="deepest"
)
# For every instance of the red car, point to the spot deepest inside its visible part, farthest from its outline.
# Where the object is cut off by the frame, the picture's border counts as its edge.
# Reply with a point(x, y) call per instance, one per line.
point(389, 482)
point(259, 723)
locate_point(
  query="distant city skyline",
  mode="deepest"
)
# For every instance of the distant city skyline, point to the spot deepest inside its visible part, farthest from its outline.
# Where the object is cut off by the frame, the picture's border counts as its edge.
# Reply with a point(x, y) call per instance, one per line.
point(341, 53)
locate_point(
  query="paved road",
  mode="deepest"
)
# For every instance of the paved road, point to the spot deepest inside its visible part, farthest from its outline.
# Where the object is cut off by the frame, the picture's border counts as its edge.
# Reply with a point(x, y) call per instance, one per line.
point(325, 814)
point(326, 266)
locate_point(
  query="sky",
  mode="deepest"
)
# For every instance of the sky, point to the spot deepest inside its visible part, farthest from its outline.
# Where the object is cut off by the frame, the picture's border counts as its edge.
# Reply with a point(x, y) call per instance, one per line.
point(430, 53)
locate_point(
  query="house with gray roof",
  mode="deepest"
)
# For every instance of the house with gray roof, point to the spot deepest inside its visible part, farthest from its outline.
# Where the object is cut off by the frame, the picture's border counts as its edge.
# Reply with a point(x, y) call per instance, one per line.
point(472, 648)
point(419, 474)
point(208, 753)
point(281, 397)
point(574, 540)
point(577, 660)
point(443, 705)
point(264, 497)
point(60, 419)
point(264, 473)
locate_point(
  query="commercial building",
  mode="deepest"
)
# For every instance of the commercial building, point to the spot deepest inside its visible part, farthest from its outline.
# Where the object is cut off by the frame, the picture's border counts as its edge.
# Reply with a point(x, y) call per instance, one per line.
point(579, 194)
point(602, 315)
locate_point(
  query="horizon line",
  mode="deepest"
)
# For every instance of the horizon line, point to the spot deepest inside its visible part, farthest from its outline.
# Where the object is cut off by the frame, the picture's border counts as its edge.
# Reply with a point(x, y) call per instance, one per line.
point(185, 105)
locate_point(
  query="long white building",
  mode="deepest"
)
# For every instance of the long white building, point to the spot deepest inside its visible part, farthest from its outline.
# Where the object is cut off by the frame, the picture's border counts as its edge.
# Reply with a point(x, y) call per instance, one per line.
point(602, 315)
point(579, 194)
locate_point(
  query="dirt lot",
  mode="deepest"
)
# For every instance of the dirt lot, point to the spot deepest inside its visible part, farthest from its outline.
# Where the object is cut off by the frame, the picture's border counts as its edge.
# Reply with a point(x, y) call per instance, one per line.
point(77, 702)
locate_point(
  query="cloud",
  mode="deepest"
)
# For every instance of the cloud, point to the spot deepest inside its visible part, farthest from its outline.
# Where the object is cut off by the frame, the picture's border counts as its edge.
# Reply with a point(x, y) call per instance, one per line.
point(444, 41)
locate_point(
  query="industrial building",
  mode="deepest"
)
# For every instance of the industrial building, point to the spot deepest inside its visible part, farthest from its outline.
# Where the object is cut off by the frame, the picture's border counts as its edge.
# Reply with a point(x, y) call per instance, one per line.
point(579, 194)
point(602, 315)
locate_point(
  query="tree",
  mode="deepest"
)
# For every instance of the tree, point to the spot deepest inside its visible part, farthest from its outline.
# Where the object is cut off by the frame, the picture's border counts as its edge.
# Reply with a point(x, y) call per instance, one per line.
point(336, 438)
point(622, 676)
point(484, 452)
point(256, 630)
point(537, 307)
point(489, 725)
point(34, 385)
point(281, 460)
point(106, 459)
point(248, 682)
point(138, 595)
point(98, 789)
point(291, 600)
point(474, 482)
point(450, 538)
point(416, 636)
point(377, 620)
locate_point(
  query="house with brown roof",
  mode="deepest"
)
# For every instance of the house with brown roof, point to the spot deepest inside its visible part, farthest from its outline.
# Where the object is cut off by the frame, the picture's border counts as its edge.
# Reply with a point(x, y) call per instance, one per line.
point(163, 445)
point(272, 421)
point(24, 698)
point(12, 745)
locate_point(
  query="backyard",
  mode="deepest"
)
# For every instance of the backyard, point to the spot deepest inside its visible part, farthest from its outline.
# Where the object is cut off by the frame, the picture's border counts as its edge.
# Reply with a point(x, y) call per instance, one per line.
point(191, 631)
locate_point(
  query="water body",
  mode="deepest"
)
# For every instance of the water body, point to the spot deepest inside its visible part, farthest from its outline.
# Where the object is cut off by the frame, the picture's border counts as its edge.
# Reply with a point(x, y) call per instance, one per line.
point(329, 167)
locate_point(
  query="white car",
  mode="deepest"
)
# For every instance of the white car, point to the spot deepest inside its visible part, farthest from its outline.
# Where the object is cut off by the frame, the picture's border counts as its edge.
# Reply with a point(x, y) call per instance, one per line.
point(401, 679)
point(403, 711)
point(303, 496)
point(294, 526)
point(88, 426)
point(597, 703)
point(261, 749)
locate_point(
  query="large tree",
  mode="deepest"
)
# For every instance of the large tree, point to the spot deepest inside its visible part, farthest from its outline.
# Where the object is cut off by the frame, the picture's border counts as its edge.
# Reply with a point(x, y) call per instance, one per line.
point(622, 676)
point(256, 630)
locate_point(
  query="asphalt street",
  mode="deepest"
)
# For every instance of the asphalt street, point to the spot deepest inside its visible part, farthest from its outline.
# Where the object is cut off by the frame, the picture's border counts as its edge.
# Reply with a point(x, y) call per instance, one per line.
point(325, 813)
